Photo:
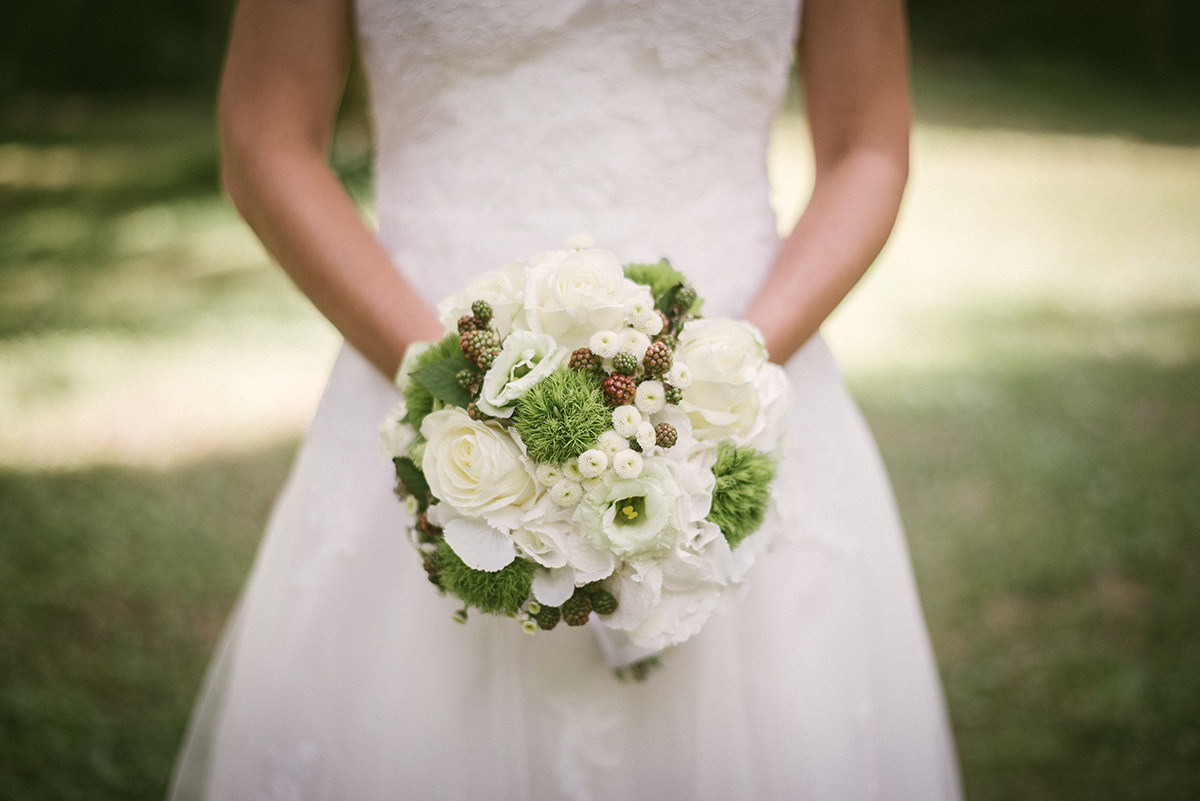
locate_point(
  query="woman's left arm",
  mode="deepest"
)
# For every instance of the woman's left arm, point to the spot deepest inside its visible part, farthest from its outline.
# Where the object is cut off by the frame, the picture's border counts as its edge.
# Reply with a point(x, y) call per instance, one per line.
point(853, 58)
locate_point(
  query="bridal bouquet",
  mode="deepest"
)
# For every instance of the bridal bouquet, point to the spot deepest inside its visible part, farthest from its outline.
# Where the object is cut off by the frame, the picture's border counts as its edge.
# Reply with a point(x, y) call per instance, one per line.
point(584, 442)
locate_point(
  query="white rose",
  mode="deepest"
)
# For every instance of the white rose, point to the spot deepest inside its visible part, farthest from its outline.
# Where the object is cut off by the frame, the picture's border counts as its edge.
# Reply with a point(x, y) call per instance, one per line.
point(775, 401)
point(572, 295)
point(394, 435)
point(524, 360)
point(632, 518)
point(725, 358)
point(504, 289)
point(478, 468)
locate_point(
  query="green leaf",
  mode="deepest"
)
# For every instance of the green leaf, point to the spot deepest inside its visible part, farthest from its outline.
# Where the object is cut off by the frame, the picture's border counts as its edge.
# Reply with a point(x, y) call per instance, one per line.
point(441, 380)
point(659, 277)
point(412, 478)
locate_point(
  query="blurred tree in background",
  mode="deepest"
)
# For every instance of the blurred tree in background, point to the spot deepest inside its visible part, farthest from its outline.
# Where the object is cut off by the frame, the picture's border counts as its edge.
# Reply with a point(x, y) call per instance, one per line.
point(86, 46)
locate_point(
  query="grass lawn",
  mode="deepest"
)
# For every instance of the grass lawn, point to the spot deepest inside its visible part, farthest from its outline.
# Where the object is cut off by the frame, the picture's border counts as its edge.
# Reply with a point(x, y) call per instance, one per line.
point(1027, 351)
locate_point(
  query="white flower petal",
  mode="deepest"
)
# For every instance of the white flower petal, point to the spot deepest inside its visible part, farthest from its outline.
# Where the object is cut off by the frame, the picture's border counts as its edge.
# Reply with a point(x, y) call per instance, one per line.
point(552, 587)
point(479, 545)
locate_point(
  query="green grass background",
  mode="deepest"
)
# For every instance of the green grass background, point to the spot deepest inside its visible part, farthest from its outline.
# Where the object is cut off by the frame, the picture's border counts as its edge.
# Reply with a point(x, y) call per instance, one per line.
point(1027, 351)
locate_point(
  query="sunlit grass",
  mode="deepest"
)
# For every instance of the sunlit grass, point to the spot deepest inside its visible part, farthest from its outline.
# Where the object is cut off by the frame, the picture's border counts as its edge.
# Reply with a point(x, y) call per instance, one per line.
point(1027, 351)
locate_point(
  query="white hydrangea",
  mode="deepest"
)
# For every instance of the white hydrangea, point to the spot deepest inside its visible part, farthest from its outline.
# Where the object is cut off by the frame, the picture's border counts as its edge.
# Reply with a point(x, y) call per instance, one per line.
point(592, 463)
point(605, 344)
point(549, 474)
point(627, 464)
point(612, 443)
point(679, 375)
point(626, 419)
point(650, 398)
point(634, 341)
point(646, 436)
point(566, 492)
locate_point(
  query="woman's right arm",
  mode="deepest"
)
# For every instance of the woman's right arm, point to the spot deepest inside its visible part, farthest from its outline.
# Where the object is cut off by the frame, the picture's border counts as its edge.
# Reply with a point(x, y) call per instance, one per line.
point(282, 83)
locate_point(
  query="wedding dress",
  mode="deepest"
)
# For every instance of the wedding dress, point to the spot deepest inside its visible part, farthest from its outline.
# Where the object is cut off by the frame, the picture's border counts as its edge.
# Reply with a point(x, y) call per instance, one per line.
point(502, 128)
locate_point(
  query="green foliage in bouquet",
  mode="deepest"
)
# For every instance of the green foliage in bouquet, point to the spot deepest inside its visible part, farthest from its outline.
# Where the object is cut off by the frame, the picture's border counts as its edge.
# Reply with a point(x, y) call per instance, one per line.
point(561, 416)
point(410, 475)
point(740, 497)
point(428, 380)
point(664, 282)
point(499, 593)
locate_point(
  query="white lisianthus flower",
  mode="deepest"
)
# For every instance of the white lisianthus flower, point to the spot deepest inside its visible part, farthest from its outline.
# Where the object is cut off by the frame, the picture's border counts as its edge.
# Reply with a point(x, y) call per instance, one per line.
point(651, 326)
point(626, 419)
point(634, 341)
point(650, 398)
point(646, 436)
point(592, 463)
point(632, 518)
point(612, 443)
point(395, 436)
point(604, 344)
point(679, 375)
point(477, 468)
point(725, 358)
point(627, 464)
point(548, 474)
point(572, 294)
point(503, 289)
point(566, 492)
point(524, 360)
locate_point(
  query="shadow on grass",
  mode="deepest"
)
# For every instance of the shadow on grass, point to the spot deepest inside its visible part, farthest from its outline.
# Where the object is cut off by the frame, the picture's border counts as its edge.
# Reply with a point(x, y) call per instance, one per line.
point(114, 586)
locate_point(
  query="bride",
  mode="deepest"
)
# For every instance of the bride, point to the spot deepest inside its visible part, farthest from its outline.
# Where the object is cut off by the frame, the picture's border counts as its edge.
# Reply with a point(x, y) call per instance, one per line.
point(503, 127)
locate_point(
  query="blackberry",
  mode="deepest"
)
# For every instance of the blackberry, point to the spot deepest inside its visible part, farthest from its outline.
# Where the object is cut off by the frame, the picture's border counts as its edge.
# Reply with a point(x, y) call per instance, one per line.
point(583, 359)
point(547, 617)
point(466, 379)
point(685, 298)
point(603, 602)
point(483, 312)
point(467, 323)
point(625, 363)
point(576, 609)
point(475, 413)
point(619, 390)
point(481, 347)
point(665, 435)
point(657, 359)
point(673, 394)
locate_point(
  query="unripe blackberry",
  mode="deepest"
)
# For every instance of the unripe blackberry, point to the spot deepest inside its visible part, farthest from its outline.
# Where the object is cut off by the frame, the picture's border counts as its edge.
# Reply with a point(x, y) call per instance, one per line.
point(576, 609)
point(625, 363)
point(657, 359)
point(483, 312)
point(603, 602)
point(466, 378)
point(673, 394)
point(684, 298)
point(583, 359)
point(475, 413)
point(481, 347)
point(467, 323)
point(665, 435)
point(547, 617)
point(619, 390)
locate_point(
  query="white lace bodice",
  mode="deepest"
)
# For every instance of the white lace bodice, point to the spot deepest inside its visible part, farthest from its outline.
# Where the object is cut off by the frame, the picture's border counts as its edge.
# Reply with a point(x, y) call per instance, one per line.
point(505, 126)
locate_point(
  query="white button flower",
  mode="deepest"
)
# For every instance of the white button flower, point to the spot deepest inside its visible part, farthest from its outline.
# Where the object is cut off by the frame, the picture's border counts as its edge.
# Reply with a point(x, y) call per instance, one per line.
point(646, 436)
point(628, 464)
point(634, 341)
point(592, 463)
point(548, 474)
point(566, 492)
point(680, 375)
point(650, 397)
point(626, 419)
point(605, 344)
point(651, 326)
point(612, 443)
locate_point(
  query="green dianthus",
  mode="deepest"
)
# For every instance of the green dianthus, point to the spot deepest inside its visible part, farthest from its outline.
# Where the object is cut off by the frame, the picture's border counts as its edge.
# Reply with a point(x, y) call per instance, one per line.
point(561, 416)
point(740, 498)
point(501, 592)
point(417, 398)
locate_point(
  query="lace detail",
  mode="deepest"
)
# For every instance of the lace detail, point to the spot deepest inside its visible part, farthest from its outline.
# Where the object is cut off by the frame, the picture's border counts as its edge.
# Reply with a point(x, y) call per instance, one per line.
point(503, 127)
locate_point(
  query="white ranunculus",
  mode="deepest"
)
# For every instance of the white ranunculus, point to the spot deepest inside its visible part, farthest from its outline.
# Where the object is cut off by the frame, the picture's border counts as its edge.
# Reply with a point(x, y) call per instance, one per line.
point(394, 435)
point(504, 289)
point(632, 518)
point(571, 295)
point(524, 360)
point(725, 358)
point(477, 467)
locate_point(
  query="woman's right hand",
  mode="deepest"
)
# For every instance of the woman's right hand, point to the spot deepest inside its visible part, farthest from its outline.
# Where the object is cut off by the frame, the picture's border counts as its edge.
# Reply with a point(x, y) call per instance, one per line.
point(280, 90)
